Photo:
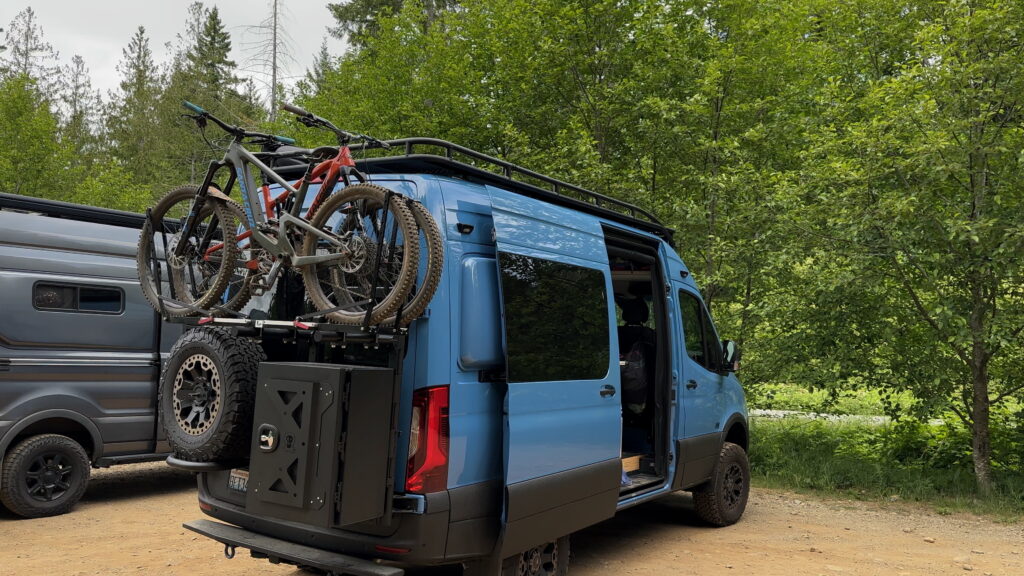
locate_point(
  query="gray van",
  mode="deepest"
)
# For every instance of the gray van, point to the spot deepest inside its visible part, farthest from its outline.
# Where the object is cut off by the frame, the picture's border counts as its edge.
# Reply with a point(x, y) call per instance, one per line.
point(80, 352)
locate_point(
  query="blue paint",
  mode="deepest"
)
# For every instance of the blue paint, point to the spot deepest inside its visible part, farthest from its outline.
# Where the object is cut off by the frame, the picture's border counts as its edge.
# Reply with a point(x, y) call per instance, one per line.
point(551, 426)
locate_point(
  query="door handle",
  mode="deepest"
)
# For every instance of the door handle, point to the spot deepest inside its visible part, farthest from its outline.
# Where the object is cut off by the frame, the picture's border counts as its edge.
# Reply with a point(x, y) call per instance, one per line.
point(607, 390)
point(691, 384)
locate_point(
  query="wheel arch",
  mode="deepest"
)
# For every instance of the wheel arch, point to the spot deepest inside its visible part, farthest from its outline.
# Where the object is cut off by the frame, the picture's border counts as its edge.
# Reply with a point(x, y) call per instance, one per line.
point(737, 432)
point(64, 422)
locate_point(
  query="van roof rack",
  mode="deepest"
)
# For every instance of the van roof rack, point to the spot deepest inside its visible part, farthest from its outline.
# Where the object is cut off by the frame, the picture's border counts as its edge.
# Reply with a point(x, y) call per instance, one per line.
point(58, 209)
point(434, 156)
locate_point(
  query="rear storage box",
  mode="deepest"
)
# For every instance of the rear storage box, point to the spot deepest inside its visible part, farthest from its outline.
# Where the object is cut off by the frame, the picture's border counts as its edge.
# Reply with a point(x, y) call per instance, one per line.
point(322, 443)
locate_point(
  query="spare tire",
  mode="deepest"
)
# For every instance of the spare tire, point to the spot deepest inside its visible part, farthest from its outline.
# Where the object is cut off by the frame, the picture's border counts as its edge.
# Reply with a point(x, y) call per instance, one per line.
point(206, 397)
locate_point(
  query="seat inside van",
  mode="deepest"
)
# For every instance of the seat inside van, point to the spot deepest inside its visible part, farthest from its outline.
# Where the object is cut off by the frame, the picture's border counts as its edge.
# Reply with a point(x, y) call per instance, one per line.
point(638, 319)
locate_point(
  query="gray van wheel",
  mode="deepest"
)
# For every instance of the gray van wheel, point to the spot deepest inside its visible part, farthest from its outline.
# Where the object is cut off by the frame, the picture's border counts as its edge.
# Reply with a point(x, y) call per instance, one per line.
point(206, 395)
point(722, 500)
point(44, 475)
point(551, 559)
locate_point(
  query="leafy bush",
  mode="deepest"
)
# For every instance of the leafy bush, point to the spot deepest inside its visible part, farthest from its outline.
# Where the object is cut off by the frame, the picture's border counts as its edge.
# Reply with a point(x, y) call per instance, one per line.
point(906, 459)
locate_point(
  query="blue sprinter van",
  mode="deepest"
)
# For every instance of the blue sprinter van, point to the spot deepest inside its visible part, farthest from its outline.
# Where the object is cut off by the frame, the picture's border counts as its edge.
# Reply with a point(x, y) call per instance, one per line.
point(565, 369)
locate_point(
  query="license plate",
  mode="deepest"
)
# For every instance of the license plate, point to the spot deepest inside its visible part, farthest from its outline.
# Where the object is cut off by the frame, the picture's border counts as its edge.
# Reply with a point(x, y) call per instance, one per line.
point(238, 480)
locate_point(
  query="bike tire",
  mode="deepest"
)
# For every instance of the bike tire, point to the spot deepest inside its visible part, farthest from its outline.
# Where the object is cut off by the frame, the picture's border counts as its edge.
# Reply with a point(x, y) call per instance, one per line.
point(399, 215)
point(434, 245)
point(241, 280)
point(185, 295)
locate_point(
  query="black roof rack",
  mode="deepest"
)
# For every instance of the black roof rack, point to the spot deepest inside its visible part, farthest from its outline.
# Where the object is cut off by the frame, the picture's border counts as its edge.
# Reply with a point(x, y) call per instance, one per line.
point(439, 156)
point(57, 209)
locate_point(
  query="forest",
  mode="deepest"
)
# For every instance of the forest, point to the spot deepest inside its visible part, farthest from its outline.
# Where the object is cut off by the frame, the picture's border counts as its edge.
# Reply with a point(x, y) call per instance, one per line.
point(846, 178)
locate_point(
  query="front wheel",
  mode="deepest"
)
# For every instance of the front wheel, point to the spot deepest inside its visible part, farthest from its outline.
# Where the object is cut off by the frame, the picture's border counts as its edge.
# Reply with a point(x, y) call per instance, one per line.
point(722, 500)
point(44, 475)
point(197, 278)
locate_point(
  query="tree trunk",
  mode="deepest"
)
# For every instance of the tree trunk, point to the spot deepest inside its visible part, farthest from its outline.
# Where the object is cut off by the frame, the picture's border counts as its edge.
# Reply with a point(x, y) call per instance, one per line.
point(981, 446)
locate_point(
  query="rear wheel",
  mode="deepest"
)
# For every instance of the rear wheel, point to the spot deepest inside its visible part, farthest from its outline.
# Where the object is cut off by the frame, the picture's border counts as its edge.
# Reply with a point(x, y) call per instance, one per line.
point(551, 559)
point(199, 276)
point(44, 475)
point(207, 392)
point(722, 500)
point(359, 226)
point(430, 241)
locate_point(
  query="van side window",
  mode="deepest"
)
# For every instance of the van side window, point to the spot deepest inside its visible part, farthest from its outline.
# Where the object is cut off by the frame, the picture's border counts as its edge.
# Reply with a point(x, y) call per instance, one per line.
point(72, 298)
point(698, 332)
point(556, 320)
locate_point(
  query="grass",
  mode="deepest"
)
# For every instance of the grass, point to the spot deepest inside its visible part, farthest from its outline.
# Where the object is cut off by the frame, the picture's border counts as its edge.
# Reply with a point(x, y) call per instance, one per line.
point(905, 461)
point(794, 397)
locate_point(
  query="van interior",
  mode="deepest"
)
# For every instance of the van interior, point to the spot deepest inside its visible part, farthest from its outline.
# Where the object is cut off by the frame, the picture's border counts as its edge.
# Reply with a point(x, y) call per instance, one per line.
point(643, 338)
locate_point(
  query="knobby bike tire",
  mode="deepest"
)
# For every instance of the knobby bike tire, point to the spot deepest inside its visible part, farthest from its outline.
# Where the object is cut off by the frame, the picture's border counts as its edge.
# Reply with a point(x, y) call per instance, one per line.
point(217, 279)
point(414, 308)
point(240, 298)
point(370, 195)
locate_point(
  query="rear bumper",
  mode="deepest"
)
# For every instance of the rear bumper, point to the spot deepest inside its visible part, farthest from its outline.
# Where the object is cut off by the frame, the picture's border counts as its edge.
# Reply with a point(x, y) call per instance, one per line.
point(452, 526)
point(277, 550)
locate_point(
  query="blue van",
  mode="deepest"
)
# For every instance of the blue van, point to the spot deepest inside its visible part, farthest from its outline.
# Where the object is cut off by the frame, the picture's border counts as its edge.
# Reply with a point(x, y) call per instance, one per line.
point(565, 369)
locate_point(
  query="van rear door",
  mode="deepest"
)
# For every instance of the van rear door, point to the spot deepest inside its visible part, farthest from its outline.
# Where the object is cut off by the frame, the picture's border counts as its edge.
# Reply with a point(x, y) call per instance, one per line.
point(563, 413)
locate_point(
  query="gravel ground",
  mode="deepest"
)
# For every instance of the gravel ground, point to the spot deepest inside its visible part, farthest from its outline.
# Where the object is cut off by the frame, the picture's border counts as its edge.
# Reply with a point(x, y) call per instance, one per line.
point(130, 523)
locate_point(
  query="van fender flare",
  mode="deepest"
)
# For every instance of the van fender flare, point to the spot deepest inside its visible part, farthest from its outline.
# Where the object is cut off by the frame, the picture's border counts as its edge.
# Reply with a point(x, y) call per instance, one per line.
point(90, 427)
point(740, 420)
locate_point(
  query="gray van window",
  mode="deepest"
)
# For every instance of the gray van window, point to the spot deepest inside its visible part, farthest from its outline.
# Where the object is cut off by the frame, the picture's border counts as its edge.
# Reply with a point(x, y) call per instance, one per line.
point(556, 320)
point(73, 298)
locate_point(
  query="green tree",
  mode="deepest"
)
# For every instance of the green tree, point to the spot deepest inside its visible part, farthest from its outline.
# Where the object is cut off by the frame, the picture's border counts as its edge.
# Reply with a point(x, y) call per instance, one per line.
point(80, 107)
point(916, 174)
point(33, 164)
point(131, 124)
point(360, 19)
point(28, 53)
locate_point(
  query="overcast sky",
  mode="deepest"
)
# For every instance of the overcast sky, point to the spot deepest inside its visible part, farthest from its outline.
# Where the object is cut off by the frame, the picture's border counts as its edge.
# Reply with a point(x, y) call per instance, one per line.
point(99, 29)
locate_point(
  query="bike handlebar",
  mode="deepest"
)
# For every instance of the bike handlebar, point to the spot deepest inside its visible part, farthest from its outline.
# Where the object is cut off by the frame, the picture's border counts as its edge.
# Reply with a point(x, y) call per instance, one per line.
point(236, 131)
point(294, 109)
point(313, 121)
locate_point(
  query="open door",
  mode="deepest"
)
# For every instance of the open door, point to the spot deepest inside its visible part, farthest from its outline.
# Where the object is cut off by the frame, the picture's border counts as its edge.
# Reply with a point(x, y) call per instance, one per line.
point(563, 413)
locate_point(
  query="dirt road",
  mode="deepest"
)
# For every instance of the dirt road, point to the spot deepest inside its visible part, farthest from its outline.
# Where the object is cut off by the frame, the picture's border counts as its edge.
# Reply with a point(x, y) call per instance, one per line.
point(130, 523)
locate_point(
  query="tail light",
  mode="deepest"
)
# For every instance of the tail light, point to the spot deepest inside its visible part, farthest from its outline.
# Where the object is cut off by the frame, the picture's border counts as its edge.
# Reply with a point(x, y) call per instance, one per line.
point(427, 468)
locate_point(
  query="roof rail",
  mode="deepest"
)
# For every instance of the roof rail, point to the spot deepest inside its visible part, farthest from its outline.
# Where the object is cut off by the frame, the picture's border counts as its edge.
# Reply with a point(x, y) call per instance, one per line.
point(58, 209)
point(525, 181)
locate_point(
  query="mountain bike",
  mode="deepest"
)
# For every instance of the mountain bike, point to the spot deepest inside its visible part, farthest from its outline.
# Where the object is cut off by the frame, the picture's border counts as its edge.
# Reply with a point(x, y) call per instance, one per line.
point(358, 249)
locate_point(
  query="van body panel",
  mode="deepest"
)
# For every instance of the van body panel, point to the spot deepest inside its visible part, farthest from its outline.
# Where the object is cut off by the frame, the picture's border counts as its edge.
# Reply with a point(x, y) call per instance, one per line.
point(80, 348)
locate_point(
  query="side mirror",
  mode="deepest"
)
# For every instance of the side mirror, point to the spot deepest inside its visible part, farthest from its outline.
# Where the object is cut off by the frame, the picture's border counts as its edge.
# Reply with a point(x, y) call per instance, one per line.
point(731, 356)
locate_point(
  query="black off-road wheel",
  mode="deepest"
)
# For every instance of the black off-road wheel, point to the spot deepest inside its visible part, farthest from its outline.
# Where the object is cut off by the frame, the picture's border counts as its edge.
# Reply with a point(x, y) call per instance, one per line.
point(207, 391)
point(551, 559)
point(722, 500)
point(44, 475)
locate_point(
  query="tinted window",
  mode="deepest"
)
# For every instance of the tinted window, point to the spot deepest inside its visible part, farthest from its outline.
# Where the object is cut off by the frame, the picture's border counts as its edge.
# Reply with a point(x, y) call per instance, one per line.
point(99, 300)
point(556, 320)
point(698, 332)
point(71, 298)
point(53, 297)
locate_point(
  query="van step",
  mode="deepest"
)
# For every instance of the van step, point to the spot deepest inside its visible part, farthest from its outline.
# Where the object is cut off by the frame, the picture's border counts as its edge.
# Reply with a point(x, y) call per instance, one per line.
point(277, 550)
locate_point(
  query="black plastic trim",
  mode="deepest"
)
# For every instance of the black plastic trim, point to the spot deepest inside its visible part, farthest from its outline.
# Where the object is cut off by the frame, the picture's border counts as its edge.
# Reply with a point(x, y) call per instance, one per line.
point(277, 550)
point(697, 458)
point(546, 508)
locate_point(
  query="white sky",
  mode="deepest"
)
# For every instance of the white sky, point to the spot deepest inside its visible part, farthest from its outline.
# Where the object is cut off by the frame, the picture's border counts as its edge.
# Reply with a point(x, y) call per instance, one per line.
point(99, 29)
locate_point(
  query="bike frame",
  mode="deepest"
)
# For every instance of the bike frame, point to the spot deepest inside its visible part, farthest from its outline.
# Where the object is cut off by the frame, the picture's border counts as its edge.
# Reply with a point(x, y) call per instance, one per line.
point(282, 249)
